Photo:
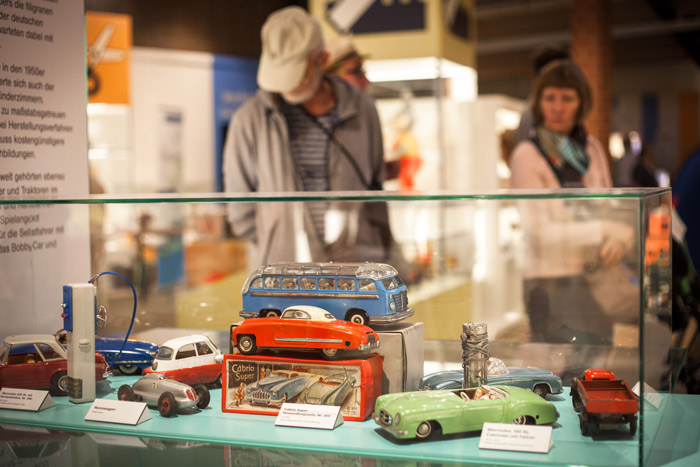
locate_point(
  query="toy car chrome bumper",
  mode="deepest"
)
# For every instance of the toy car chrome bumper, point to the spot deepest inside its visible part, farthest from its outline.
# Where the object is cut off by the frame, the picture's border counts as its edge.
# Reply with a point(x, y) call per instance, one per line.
point(389, 426)
point(248, 314)
point(388, 319)
point(368, 347)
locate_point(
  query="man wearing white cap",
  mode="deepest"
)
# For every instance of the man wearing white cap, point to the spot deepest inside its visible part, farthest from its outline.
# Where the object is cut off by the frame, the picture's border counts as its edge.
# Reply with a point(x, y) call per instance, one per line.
point(304, 131)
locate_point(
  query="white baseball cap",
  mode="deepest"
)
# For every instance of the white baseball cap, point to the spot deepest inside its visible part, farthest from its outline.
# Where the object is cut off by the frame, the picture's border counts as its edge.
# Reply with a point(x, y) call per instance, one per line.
point(288, 36)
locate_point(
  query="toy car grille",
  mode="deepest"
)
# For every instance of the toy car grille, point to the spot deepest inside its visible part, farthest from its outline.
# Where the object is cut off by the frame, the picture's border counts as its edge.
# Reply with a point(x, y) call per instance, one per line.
point(372, 338)
point(384, 418)
point(401, 301)
point(260, 396)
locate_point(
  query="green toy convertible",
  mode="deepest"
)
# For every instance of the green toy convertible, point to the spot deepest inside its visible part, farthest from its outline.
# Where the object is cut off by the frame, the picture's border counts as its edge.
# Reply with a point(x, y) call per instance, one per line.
point(418, 414)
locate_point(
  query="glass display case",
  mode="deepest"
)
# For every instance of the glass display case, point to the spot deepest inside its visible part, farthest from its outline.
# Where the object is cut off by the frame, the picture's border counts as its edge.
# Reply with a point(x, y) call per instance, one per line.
point(564, 280)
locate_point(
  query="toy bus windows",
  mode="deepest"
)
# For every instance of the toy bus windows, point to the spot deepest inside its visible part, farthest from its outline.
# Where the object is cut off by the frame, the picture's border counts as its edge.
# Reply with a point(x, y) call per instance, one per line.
point(325, 283)
point(257, 283)
point(367, 285)
point(389, 283)
point(346, 284)
point(290, 283)
point(272, 282)
point(308, 283)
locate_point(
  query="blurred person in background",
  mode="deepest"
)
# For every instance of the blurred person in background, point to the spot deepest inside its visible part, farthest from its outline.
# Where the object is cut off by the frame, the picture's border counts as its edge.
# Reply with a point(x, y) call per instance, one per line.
point(305, 130)
point(565, 240)
point(346, 62)
point(541, 57)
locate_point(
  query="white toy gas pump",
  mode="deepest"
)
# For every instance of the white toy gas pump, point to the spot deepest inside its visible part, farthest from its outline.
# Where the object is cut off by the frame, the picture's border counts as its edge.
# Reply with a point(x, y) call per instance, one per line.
point(80, 320)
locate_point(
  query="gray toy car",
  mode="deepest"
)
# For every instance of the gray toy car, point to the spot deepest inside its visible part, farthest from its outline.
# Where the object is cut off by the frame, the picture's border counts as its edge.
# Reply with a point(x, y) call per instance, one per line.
point(330, 390)
point(167, 394)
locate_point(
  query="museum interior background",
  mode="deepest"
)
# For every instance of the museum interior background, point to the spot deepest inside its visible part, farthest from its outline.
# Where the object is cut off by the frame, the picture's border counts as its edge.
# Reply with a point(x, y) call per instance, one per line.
point(165, 77)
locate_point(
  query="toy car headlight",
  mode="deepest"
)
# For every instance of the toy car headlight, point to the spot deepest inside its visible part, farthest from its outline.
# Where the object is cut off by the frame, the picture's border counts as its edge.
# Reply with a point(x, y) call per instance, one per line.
point(397, 418)
point(392, 306)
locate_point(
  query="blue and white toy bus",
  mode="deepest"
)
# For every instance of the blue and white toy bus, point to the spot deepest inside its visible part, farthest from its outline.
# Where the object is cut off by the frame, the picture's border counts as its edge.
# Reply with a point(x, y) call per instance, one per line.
point(359, 292)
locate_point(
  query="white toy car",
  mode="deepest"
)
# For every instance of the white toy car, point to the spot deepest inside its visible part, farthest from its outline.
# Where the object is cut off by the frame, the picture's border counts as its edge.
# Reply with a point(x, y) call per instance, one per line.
point(191, 359)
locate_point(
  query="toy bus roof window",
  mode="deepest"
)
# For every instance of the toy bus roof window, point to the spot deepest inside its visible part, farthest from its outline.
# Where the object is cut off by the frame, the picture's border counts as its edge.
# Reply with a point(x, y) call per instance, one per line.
point(365, 270)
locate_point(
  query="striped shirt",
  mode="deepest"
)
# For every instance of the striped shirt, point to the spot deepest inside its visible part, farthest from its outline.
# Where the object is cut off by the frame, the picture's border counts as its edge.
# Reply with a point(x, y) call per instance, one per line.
point(309, 144)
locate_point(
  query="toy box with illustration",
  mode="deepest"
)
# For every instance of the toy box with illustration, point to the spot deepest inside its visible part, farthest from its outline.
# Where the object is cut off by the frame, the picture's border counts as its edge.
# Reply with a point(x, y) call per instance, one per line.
point(261, 384)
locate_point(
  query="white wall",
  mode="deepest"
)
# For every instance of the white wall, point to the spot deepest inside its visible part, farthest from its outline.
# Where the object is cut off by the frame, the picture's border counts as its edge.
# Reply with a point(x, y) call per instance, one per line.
point(177, 81)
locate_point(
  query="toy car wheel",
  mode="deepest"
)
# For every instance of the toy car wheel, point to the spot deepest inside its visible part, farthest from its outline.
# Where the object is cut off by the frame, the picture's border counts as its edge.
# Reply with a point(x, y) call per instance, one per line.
point(58, 383)
point(357, 316)
point(269, 313)
point(424, 430)
point(126, 393)
point(167, 405)
point(203, 396)
point(541, 390)
point(633, 425)
point(128, 369)
point(330, 354)
point(246, 344)
point(583, 423)
point(524, 420)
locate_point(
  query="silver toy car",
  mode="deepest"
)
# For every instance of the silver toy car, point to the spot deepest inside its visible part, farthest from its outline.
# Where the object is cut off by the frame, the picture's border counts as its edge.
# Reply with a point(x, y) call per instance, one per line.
point(167, 394)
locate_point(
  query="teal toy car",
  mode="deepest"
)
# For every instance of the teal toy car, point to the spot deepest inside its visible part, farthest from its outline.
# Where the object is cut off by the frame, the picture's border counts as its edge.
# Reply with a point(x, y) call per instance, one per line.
point(419, 414)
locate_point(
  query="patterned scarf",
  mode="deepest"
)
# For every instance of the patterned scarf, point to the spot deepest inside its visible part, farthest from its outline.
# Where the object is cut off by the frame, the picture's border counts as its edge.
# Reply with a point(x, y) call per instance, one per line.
point(565, 150)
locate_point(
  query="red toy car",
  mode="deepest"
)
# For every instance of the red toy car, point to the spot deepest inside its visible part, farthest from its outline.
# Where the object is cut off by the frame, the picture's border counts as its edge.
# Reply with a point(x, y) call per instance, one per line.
point(595, 374)
point(38, 361)
point(304, 328)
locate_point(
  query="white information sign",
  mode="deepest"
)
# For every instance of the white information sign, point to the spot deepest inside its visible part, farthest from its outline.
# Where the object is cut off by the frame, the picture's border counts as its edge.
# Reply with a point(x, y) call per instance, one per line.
point(650, 395)
point(524, 438)
point(115, 411)
point(31, 400)
point(43, 154)
point(325, 417)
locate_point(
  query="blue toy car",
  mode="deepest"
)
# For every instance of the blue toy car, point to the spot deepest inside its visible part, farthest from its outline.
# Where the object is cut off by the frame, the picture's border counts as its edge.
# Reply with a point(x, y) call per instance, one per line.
point(538, 380)
point(136, 356)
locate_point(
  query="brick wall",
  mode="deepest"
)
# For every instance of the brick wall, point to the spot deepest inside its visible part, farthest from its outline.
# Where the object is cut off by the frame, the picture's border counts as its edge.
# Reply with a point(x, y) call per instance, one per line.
point(591, 49)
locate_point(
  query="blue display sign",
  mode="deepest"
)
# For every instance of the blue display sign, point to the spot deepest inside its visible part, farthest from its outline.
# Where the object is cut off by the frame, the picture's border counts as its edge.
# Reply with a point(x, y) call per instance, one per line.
point(234, 83)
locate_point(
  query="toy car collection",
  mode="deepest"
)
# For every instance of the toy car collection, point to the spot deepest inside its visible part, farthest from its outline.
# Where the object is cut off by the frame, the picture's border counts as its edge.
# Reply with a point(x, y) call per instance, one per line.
point(359, 292)
point(39, 361)
point(603, 400)
point(191, 359)
point(136, 355)
point(166, 394)
point(538, 380)
point(419, 414)
point(304, 328)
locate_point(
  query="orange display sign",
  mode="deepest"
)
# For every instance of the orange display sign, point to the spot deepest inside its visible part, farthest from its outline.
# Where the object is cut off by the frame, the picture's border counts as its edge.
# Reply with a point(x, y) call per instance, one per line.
point(109, 46)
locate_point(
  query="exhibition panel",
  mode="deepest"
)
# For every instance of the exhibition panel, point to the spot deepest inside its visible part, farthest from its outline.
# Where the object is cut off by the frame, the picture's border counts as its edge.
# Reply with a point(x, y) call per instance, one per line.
point(503, 300)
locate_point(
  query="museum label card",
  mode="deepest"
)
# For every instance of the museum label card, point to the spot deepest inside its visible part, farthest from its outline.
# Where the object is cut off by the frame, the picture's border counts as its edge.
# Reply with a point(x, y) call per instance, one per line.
point(524, 438)
point(121, 412)
point(31, 400)
point(650, 395)
point(325, 417)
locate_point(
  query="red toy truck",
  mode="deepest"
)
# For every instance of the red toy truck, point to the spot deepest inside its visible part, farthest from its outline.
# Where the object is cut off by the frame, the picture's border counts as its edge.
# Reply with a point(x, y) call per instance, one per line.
point(600, 398)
